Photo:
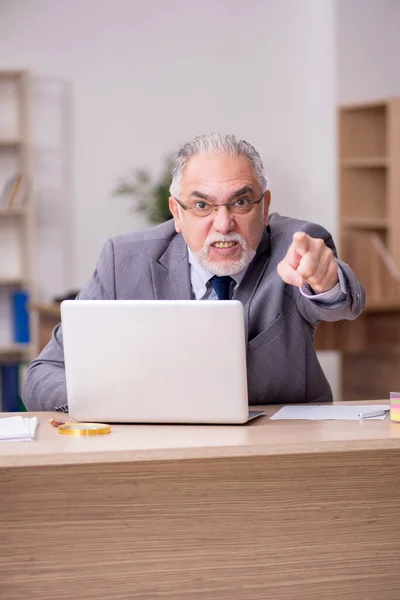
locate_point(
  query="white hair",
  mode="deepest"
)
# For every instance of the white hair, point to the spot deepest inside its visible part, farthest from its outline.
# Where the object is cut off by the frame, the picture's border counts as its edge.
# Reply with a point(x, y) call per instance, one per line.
point(215, 143)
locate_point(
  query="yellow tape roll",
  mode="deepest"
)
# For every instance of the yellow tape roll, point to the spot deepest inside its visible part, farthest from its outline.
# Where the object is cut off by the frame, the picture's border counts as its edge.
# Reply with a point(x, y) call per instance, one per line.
point(84, 429)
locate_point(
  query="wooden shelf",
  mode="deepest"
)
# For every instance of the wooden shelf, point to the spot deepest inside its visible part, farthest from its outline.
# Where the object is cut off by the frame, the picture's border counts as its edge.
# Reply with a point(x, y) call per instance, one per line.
point(14, 352)
point(365, 223)
point(371, 105)
point(10, 142)
point(13, 212)
point(364, 163)
point(11, 282)
point(10, 73)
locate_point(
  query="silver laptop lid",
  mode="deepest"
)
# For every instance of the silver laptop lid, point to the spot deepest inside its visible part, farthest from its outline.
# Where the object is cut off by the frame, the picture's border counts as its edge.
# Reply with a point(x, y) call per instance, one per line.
point(155, 361)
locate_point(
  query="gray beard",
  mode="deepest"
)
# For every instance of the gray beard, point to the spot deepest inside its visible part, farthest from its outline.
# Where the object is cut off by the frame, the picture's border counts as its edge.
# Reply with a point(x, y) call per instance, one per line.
point(219, 268)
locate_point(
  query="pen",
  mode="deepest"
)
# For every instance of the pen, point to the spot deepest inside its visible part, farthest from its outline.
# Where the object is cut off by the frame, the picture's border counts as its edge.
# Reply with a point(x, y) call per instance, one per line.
point(56, 423)
point(375, 413)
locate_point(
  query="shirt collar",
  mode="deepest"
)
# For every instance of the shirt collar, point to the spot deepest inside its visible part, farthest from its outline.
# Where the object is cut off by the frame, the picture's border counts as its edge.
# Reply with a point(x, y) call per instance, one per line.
point(199, 276)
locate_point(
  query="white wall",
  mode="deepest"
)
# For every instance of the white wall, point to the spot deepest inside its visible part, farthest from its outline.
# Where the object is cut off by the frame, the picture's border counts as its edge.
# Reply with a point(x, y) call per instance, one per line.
point(368, 49)
point(147, 76)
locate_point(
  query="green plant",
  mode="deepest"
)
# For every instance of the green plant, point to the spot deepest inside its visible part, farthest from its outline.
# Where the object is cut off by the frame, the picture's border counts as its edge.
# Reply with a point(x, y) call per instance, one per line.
point(151, 196)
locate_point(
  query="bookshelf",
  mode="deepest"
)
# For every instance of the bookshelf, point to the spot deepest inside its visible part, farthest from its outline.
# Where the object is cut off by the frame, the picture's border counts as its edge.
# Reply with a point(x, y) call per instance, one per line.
point(369, 187)
point(369, 220)
point(17, 221)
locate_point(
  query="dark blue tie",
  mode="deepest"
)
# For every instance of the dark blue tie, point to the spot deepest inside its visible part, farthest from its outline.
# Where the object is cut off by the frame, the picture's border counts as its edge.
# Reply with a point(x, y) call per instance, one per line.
point(221, 286)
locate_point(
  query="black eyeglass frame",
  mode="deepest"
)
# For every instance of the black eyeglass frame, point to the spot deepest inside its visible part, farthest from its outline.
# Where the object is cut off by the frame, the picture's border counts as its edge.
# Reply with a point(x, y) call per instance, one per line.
point(229, 205)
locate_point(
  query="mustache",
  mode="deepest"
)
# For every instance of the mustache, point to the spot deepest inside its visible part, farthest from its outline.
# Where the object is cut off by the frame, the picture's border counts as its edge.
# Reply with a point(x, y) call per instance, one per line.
point(228, 237)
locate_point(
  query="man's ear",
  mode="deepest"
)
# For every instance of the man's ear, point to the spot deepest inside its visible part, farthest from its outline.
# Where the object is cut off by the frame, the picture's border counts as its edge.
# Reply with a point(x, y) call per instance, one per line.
point(173, 207)
point(267, 202)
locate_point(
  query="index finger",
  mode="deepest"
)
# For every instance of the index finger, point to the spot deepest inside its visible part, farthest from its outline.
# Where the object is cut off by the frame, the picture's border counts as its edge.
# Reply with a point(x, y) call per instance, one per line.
point(301, 242)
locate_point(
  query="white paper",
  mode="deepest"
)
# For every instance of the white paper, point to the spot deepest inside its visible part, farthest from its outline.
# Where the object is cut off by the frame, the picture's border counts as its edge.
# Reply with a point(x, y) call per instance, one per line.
point(33, 423)
point(18, 429)
point(323, 413)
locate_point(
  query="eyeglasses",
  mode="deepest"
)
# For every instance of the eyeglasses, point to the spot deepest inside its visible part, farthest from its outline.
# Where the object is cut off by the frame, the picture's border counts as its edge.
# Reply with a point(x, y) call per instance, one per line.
point(204, 208)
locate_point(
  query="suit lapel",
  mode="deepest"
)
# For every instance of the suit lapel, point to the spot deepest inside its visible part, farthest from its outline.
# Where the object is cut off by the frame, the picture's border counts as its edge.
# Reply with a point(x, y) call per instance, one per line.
point(170, 275)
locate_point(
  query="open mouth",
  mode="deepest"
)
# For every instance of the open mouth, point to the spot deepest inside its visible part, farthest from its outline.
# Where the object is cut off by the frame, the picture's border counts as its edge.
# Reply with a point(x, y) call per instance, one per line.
point(223, 245)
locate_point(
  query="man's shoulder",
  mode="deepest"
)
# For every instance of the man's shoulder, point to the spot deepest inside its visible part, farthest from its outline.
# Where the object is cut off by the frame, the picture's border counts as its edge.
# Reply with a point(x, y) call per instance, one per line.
point(284, 227)
point(157, 236)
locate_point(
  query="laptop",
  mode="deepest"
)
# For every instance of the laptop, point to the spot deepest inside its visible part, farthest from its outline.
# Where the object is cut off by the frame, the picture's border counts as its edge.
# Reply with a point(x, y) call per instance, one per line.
point(156, 361)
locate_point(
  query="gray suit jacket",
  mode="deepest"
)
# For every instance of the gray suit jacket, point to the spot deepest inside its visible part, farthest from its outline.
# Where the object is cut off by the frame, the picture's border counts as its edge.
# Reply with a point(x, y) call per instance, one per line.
point(280, 322)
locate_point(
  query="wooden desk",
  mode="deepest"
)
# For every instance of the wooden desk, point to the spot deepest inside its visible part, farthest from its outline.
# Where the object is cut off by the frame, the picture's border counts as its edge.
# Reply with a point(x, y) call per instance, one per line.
point(273, 510)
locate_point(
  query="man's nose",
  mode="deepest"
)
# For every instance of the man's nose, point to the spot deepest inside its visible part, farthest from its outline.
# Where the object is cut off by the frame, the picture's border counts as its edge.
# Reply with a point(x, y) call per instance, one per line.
point(223, 220)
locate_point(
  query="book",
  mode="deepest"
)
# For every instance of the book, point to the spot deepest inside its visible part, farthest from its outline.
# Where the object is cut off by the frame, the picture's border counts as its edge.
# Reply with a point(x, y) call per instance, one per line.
point(7, 191)
point(17, 193)
point(20, 313)
point(10, 387)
